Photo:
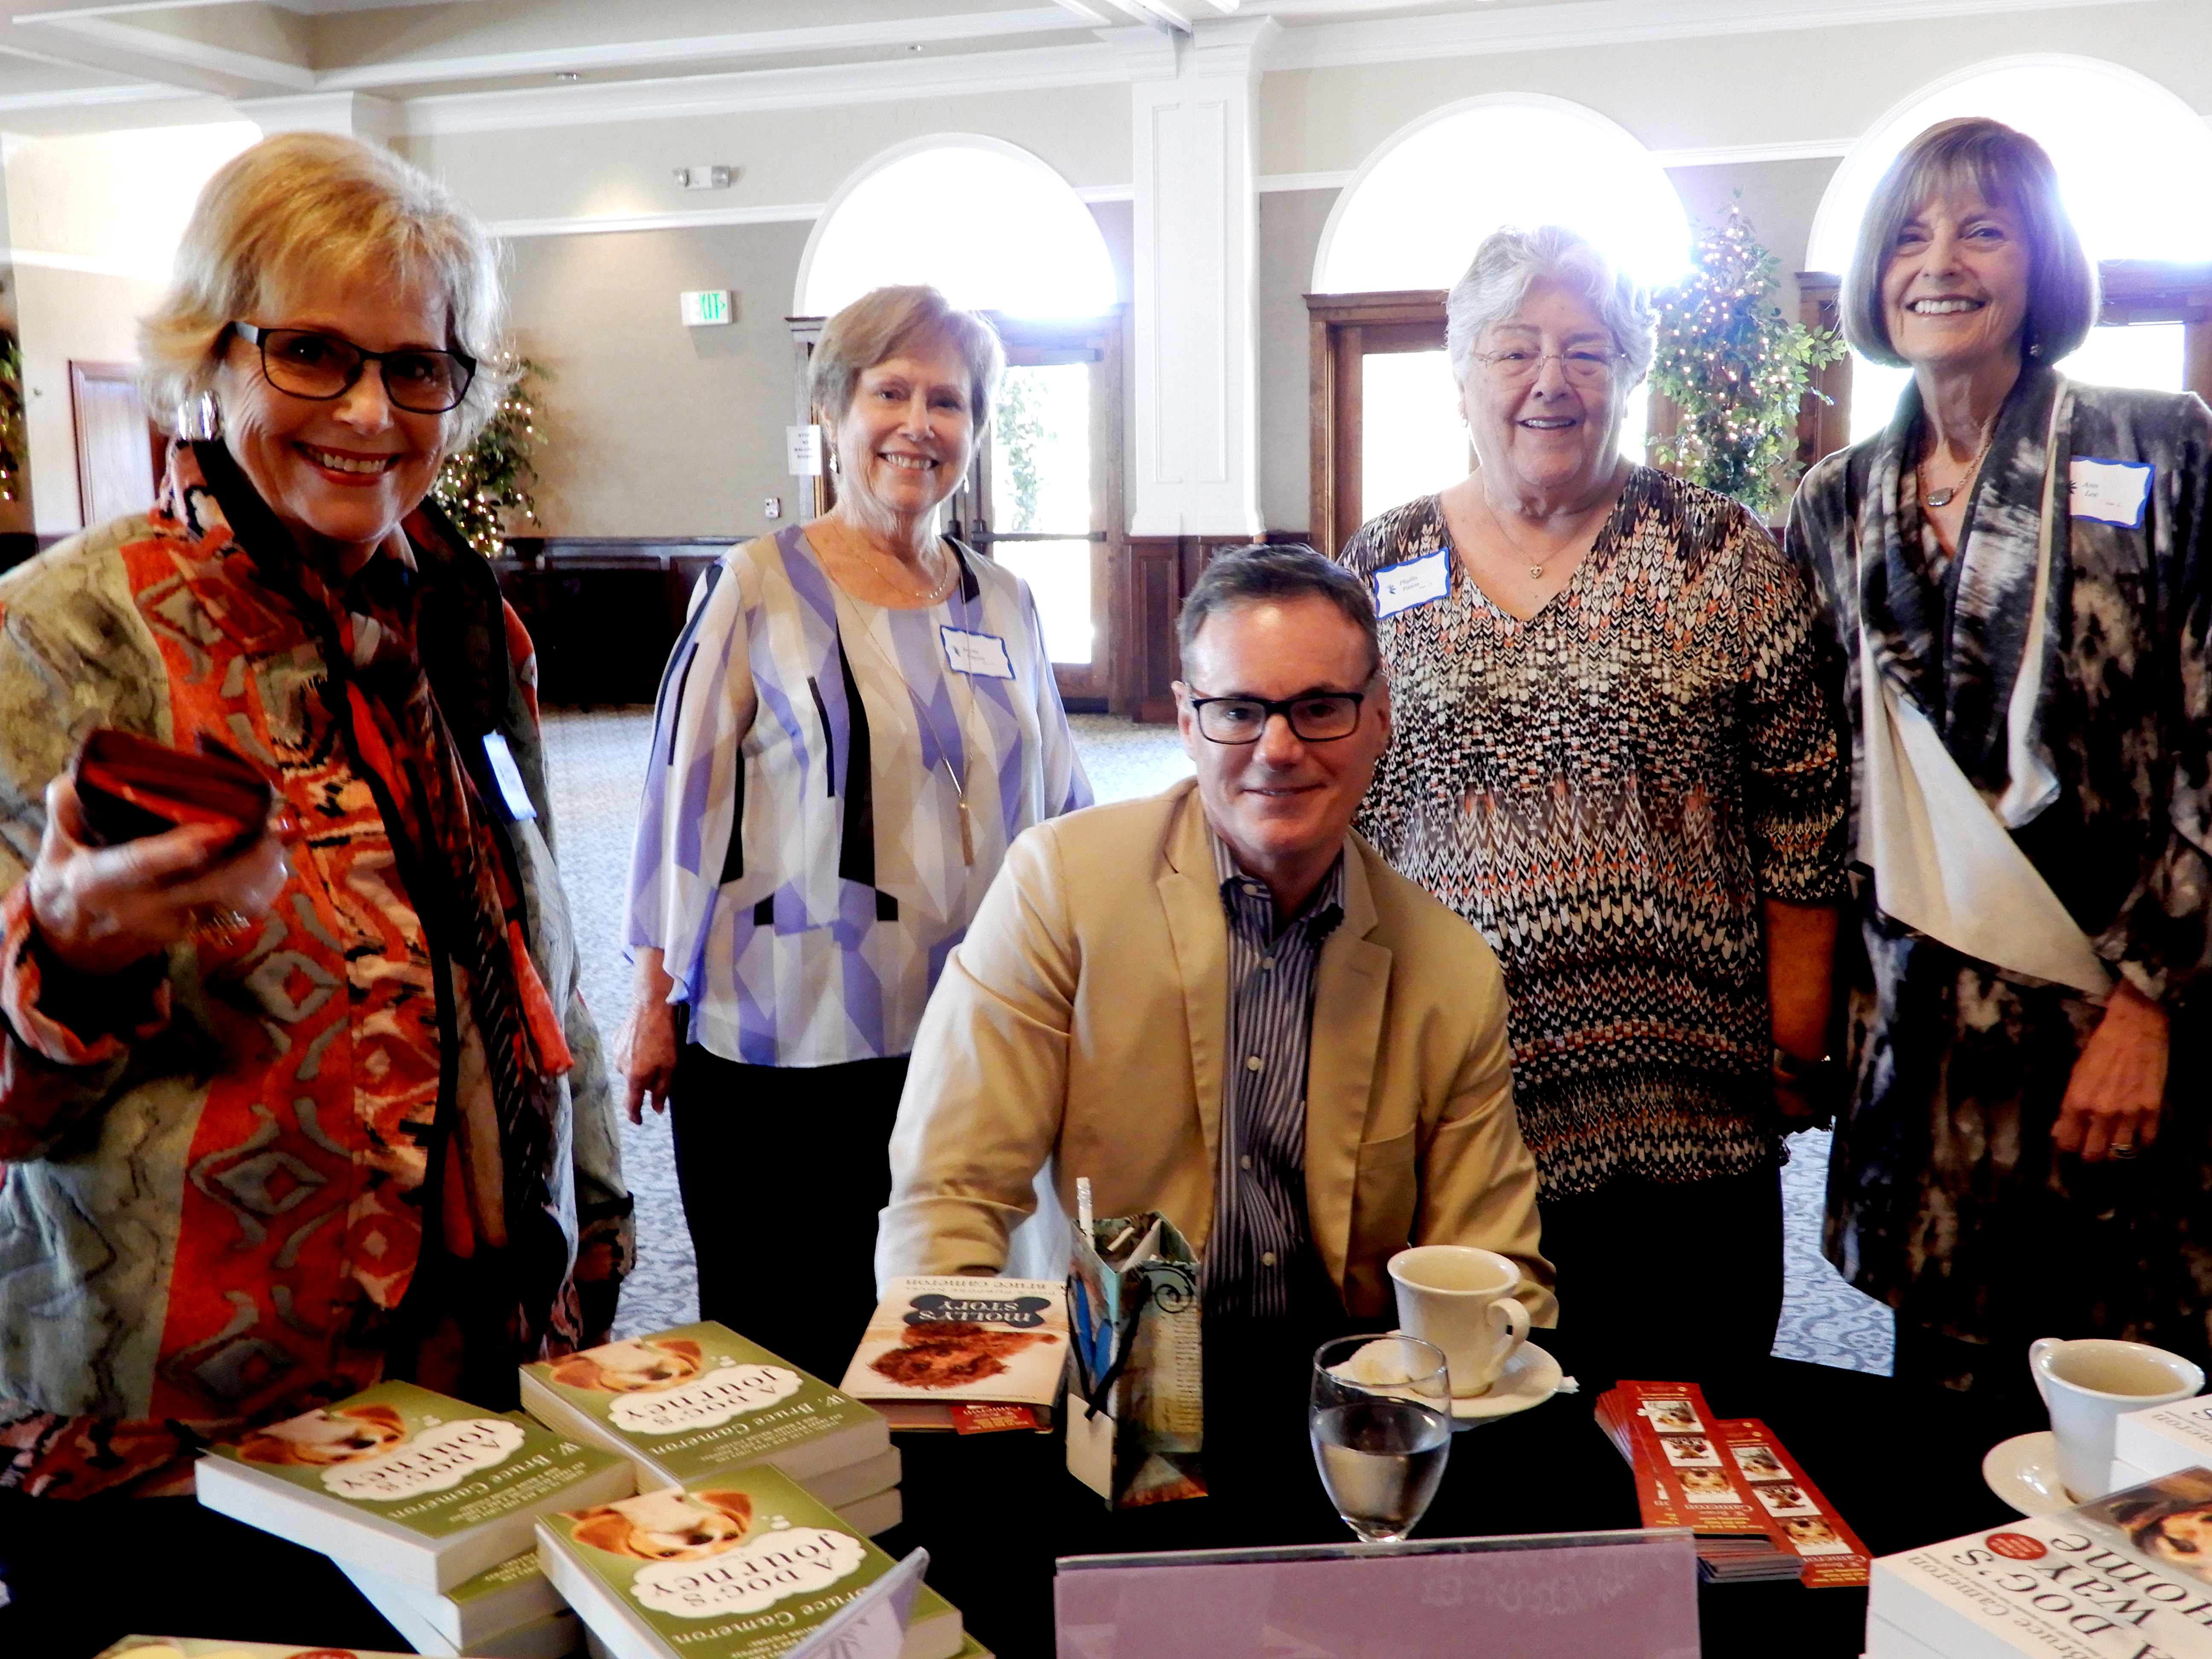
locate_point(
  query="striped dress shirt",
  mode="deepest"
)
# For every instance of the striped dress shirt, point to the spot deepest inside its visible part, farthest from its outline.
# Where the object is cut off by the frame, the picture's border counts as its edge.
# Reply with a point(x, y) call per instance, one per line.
point(1261, 1238)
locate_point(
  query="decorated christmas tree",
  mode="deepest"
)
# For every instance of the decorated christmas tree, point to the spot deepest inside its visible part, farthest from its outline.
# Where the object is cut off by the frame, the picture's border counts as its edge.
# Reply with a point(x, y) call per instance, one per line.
point(1736, 368)
point(485, 486)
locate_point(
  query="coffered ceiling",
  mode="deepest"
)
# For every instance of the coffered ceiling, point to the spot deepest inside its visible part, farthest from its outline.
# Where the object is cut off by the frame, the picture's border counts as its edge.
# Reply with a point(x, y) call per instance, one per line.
point(472, 63)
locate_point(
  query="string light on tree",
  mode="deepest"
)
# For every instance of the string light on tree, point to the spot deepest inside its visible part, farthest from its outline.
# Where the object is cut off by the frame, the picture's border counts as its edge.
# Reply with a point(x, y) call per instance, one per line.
point(1735, 369)
point(486, 487)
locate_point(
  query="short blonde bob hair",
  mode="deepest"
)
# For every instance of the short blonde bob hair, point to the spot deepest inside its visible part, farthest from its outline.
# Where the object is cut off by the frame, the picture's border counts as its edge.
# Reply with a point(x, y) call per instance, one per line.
point(318, 205)
point(1510, 262)
point(2007, 169)
point(885, 322)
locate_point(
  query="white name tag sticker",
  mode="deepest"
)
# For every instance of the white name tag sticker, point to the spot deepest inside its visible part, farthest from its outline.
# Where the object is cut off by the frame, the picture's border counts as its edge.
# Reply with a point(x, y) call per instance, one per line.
point(977, 654)
point(1401, 586)
point(2111, 492)
point(508, 777)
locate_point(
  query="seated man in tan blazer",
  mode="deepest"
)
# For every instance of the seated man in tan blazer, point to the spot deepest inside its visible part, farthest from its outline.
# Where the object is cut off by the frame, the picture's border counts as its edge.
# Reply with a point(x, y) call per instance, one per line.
point(1220, 1004)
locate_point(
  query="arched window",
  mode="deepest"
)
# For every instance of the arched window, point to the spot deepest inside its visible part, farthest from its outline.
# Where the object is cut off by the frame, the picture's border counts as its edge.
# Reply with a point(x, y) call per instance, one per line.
point(1410, 220)
point(997, 230)
point(2135, 163)
point(987, 222)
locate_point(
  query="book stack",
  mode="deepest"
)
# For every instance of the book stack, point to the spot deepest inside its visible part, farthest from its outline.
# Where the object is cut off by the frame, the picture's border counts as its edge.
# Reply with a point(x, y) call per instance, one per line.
point(197, 1647)
point(973, 1355)
point(427, 1503)
point(700, 1401)
point(2127, 1576)
point(743, 1564)
point(2162, 1440)
point(1729, 1480)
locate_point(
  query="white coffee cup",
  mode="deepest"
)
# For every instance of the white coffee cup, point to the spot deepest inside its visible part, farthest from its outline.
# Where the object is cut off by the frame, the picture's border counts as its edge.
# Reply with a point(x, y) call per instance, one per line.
point(2088, 1383)
point(1462, 1299)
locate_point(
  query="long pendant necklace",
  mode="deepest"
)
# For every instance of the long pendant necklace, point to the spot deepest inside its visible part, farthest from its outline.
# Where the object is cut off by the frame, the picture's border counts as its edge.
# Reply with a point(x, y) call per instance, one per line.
point(944, 751)
point(892, 572)
point(1949, 493)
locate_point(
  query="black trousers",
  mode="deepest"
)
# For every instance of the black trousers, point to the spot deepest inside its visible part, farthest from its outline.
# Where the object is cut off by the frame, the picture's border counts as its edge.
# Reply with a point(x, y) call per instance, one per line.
point(1669, 1282)
point(784, 1170)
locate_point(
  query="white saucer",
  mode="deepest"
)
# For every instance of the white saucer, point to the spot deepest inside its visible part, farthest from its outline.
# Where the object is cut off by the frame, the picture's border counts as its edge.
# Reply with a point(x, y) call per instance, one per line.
point(1530, 1377)
point(2024, 1471)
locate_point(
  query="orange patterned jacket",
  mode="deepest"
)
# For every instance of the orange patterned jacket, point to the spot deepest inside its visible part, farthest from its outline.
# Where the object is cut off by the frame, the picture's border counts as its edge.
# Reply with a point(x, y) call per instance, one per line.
point(210, 1179)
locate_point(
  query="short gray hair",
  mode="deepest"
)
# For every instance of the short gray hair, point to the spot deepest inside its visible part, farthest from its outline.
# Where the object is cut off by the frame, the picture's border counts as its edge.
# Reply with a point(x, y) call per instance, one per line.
point(321, 203)
point(886, 321)
point(1278, 571)
point(1510, 262)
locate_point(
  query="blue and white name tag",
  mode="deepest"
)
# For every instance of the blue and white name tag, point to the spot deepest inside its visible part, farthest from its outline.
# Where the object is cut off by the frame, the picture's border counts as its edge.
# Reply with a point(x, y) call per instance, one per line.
point(976, 654)
point(2111, 492)
point(1401, 586)
point(508, 777)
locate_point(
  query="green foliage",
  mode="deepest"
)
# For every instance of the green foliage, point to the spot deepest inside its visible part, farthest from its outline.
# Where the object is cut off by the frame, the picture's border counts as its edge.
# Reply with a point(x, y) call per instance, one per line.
point(11, 418)
point(1018, 428)
point(1736, 369)
point(485, 486)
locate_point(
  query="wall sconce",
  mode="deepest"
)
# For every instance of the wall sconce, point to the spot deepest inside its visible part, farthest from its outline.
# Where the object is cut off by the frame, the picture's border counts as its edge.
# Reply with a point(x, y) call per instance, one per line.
point(715, 178)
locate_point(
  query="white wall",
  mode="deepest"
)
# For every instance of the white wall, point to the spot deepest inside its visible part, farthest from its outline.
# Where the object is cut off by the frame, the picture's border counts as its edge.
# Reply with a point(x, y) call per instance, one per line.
point(93, 221)
point(656, 431)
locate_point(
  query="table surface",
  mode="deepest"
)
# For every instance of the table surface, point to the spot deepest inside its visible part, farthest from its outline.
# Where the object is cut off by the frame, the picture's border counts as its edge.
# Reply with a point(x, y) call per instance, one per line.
point(1902, 1464)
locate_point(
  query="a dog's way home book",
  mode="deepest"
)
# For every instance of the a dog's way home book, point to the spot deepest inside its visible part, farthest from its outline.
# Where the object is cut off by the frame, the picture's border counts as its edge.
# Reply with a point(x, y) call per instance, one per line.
point(740, 1565)
point(701, 1399)
point(2126, 1577)
point(424, 1490)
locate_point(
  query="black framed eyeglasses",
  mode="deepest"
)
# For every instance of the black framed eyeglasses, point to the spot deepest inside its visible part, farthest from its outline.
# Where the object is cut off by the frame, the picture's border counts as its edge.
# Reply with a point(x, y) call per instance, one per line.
point(321, 367)
point(1316, 717)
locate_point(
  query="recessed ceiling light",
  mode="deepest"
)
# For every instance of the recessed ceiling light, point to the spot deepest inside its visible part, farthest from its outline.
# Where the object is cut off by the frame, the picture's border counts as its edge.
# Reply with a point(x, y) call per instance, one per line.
point(567, 74)
point(915, 47)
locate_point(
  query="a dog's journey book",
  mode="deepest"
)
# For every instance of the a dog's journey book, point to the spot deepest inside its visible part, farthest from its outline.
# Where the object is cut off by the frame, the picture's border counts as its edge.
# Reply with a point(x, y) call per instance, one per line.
point(512, 1611)
point(2126, 1577)
point(201, 1647)
point(743, 1564)
point(424, 1490)
point(943, 1352)
point(700, 1399)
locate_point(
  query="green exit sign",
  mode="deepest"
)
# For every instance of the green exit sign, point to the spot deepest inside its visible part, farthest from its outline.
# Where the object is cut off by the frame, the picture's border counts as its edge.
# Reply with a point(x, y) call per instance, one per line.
point(710, 308)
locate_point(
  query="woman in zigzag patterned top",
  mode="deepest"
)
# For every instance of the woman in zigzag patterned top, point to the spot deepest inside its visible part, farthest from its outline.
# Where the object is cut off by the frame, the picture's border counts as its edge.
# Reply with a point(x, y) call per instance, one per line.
point(1613, 757)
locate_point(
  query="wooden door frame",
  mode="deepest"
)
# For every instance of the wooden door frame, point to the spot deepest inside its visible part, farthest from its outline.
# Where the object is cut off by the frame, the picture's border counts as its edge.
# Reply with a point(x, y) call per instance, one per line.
point(81, 374)
point(2134, 290)
point(1342, 328)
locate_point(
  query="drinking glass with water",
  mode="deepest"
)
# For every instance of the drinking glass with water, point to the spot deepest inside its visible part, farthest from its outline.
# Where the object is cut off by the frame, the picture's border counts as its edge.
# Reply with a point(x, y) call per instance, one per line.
point(1381, 1419)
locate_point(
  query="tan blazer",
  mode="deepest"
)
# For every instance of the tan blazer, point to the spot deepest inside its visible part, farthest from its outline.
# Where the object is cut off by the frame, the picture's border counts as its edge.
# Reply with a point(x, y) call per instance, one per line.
point(1083, 1020)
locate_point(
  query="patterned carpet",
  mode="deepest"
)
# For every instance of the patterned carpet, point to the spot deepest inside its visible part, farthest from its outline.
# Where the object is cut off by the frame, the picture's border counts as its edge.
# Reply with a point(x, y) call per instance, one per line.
point(597, 761)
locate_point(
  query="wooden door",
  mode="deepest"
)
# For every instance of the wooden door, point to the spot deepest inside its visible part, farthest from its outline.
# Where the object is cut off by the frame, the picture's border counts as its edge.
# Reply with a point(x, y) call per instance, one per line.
point(118, 452)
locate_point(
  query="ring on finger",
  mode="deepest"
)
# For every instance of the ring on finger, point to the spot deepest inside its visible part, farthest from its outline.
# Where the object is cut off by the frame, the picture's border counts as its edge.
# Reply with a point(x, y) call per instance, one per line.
point(2121, 1149)
point(219, 924)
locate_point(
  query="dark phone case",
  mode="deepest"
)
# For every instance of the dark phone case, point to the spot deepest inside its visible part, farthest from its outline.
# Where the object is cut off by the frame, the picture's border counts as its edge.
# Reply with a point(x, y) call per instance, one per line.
point(130, 785)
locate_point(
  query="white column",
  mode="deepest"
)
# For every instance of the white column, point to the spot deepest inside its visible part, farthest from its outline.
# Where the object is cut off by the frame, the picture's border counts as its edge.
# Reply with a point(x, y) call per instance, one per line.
point(354, 114)
point(1196, 291)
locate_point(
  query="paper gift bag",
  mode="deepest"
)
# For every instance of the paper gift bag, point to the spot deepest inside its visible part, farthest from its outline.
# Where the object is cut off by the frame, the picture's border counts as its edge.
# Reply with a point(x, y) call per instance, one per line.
point(1136, 1415)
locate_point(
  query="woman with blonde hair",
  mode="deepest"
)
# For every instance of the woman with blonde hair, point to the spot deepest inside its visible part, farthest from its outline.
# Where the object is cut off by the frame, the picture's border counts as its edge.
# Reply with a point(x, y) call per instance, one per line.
point(281, 1121)
point(857, 721)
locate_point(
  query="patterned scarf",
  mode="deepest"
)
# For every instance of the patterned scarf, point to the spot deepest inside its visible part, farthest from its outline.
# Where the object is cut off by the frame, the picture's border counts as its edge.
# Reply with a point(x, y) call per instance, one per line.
point(1953, 639)
point(376, 629)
